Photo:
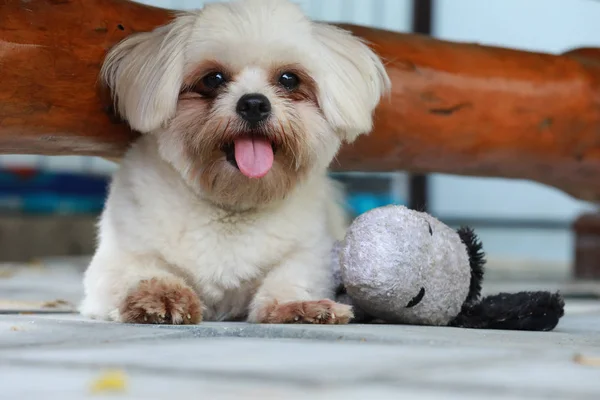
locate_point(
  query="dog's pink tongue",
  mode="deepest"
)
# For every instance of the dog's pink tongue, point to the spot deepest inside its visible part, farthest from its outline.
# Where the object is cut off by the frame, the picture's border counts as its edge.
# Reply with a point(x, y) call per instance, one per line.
point(254, 156)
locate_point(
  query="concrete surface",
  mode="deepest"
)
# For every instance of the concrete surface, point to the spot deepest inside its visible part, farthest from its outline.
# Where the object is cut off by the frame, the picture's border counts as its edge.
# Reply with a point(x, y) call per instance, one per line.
point(48, 355)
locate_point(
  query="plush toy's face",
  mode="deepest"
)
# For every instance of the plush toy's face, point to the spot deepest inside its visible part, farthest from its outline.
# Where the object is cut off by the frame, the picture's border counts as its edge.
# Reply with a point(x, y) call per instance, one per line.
point(405, 266)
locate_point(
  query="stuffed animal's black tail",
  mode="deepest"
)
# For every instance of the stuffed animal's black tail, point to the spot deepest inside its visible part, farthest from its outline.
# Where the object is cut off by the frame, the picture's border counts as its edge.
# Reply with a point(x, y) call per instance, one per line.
point(524, 311)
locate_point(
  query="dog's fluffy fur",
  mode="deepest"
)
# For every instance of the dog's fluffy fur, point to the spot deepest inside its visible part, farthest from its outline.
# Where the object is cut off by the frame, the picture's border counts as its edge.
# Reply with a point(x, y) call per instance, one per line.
point(185, 235)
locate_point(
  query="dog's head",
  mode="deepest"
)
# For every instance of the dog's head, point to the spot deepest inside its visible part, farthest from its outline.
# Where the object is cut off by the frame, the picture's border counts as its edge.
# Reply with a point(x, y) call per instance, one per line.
point(246, 98)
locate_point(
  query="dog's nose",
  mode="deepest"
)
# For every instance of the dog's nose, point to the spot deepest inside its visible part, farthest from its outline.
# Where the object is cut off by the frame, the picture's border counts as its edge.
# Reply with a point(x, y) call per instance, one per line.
point(254, 107)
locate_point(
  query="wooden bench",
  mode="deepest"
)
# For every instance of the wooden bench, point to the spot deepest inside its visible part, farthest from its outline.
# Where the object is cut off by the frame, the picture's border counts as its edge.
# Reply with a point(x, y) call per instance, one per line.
point(455, 108)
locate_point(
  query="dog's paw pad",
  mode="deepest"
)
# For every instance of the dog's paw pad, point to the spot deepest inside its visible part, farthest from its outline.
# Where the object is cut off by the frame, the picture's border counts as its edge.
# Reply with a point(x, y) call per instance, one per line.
point(308, 312)
point(161, 301)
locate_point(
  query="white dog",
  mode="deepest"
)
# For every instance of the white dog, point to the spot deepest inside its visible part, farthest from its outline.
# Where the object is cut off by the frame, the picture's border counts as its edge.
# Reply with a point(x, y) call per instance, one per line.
point(223, 209)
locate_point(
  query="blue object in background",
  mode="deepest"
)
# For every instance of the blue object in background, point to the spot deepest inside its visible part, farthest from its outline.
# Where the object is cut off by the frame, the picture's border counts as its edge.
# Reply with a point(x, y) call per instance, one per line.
point(34, 191)
point(363, 202)
point(365, 191)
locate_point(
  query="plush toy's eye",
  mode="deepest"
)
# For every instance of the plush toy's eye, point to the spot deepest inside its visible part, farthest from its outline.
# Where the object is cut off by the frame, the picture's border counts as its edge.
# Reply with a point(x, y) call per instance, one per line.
point(417, 299)
point(430, 230)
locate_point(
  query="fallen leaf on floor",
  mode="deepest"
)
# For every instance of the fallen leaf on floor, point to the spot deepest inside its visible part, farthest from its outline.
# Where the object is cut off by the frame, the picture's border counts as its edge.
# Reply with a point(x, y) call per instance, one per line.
point(110, 381)
point(35, 263)
point(7, 273)
point(587, 360)
point(56, 303)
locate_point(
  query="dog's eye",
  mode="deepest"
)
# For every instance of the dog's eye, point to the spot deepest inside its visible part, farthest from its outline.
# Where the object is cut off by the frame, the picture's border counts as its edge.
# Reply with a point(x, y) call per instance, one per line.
point(208, 85)
point(213, 80)
point(289, 80)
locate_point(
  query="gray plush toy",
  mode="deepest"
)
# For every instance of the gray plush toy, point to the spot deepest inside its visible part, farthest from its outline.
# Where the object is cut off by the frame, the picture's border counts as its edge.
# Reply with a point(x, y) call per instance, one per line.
point(402, 266)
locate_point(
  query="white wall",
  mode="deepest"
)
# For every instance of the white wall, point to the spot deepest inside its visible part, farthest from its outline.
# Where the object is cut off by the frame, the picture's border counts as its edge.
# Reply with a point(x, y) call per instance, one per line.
point(538, 25)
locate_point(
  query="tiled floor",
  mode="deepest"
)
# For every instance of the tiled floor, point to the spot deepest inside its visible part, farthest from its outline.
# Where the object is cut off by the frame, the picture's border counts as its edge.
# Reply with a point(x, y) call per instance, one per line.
point(45, 356)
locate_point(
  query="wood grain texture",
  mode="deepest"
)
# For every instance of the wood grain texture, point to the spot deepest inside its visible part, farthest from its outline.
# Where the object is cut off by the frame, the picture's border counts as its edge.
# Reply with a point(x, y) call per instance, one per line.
point(455, 108)
point(51, 52)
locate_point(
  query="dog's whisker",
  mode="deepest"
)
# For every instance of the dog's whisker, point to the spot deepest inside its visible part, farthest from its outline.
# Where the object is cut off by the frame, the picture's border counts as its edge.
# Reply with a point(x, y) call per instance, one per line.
point(294, 136)
point(285, 140)
point(226, 127)
point(218, 128)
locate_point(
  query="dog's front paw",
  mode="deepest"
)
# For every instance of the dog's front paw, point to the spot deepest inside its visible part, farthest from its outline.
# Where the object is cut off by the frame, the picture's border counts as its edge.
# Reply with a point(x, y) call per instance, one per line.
point(161, 301)
point(307, 312)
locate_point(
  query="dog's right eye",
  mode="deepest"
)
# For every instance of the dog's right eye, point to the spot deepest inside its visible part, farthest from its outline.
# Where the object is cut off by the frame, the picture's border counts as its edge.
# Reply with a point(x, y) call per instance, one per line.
point(210, 83)
point(214, 80)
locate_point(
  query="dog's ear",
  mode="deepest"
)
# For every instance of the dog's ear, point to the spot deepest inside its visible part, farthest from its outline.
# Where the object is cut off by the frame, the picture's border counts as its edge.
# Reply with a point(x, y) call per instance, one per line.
point(353, 83)
point(144, 74)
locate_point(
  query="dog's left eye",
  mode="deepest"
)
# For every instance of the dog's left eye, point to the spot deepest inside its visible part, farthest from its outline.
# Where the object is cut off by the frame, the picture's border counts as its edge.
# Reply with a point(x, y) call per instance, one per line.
point(214, 80)
point(289, 80)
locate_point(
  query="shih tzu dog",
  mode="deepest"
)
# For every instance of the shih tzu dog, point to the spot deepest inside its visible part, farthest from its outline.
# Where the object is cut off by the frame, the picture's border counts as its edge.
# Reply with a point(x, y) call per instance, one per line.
point(223, 209)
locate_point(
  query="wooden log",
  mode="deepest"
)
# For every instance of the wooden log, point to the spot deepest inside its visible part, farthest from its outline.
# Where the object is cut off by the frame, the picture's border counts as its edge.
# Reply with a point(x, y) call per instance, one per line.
point(51, 52)
point(455, 108)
